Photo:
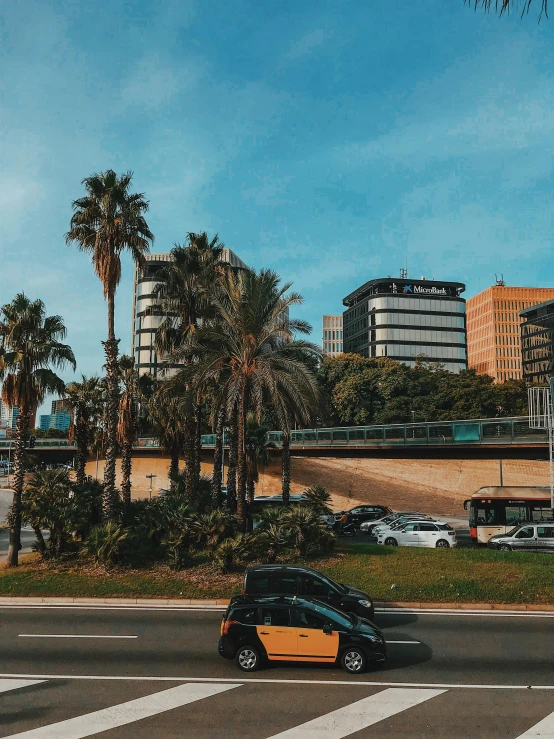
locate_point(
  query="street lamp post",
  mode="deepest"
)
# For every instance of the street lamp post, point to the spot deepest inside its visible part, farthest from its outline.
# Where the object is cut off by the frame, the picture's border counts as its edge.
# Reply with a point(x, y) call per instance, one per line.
point(150, 477)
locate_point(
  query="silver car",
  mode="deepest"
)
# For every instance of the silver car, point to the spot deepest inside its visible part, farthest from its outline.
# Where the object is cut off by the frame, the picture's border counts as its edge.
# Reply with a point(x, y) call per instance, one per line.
point(526, 537)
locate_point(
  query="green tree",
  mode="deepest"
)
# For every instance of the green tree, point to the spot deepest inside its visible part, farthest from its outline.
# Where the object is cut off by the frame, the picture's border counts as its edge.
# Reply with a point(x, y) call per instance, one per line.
point(84, 401)
point(30, 346)
point(107, 222)
point(254, 338)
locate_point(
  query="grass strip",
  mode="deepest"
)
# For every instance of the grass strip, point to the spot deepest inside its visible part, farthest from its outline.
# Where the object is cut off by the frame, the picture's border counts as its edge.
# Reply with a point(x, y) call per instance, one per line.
point(386, 573)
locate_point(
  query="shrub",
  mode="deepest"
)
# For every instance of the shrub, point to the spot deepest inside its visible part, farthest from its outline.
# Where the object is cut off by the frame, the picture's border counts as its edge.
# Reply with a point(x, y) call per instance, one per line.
point(305, 528)
point(318, 499)
point(232, 551)
point(106, 543)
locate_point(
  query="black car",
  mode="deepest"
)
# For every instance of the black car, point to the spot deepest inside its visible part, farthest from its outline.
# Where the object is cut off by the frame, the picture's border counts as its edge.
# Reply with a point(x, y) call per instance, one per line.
point(265, 580)
point(281, 628)
point(362, 513)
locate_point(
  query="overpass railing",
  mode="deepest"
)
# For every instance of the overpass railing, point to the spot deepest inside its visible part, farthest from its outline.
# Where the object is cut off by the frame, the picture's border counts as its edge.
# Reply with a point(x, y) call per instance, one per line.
point(48, 443)
point(450, 433)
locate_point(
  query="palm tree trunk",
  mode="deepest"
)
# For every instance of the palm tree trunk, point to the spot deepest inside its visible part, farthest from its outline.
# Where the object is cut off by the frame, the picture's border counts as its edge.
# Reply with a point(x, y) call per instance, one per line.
point(111, 350)
point(232, 469)
point(286, 467)
point(14, 519)
point(173, 469)
point(126, 466)
point(241, 462)
point(41, 544)
point(217, 474)
point(81, 437)
point(198, 445)
point(189, 447)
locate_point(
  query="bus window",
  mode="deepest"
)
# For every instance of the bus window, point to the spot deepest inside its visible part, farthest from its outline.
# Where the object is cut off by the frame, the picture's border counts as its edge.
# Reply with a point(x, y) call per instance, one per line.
point(488, 515)
point(542, 514)
point(515, 513)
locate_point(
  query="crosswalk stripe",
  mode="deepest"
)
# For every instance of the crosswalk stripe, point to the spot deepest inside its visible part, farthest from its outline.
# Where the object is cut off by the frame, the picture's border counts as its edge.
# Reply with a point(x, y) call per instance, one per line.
point(543, 730)
point(6, 685)
point(124, 713)
point(359, 715)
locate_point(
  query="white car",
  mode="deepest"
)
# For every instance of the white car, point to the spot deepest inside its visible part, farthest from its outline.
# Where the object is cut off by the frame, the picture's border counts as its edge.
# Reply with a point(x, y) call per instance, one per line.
point(367, 527)
point(434, 534)
point(400, 522)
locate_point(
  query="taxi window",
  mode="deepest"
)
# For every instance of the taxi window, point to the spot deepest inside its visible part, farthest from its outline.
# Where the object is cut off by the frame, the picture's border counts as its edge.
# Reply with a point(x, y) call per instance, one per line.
point(248, 616)
point(275, 617)
point(309, 620)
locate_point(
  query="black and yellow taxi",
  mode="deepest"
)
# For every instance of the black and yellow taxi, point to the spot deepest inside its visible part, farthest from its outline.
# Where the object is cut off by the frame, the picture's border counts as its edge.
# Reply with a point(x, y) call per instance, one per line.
point(291, 629)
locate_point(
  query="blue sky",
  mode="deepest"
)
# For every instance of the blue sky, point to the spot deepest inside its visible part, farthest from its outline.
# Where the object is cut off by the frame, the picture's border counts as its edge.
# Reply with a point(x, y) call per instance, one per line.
point(328, 140)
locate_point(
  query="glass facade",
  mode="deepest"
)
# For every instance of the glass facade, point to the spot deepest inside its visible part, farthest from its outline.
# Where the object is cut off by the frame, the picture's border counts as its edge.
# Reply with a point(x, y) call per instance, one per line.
point(332, 338)
point(537, 343)
point(418, 319)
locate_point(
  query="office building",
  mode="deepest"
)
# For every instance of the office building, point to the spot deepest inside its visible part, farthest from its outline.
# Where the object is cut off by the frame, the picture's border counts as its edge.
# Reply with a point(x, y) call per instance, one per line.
point(493, 328)
point(59, 406)
point(332, 335)
point(537, 343)
point(405, 319)
point(147, 359)
point(44, 424)
point(9, 415)
point(60, 421)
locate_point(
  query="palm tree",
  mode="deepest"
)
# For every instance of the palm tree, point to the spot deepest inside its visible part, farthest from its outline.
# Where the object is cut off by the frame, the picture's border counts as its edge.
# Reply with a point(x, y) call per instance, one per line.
point(184, 297)
point(254, 339)
point(84, 402)
point(504, 6)
point(108, 221)
point(166, 412)
point(30, 346)
point(128, 420)
point(257, 450)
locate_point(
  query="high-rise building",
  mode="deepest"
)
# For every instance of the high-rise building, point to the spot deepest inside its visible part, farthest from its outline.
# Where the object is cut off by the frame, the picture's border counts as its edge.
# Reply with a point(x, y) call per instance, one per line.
point(60, 421)
point(493, 328)
point(9, 415)
point(59, 406)
point(332, 335)
point(405, 319)
point(44, 422)
point(145, 326)
point(537, 343)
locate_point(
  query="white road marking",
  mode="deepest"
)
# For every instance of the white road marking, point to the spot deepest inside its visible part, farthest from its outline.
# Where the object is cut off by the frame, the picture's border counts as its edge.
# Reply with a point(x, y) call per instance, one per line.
point(74, 636)
point(6, 685)
point(277, 681)
point(359, 715)
point(543, 730)
point(124, 713)
point(402, 642)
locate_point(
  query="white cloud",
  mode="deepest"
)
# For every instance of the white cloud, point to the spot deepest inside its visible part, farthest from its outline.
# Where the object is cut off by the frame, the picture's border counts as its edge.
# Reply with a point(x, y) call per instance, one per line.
point(153, 83)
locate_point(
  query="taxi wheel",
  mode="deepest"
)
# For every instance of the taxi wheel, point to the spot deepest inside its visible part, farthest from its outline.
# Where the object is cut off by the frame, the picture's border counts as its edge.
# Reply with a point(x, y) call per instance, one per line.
point(248, 659)
point(505, 548)
point(391, 542)
point(353, 660)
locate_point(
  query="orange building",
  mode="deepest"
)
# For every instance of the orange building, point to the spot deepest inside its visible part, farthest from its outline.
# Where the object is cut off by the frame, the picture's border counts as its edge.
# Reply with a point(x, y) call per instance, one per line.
point(493, 328)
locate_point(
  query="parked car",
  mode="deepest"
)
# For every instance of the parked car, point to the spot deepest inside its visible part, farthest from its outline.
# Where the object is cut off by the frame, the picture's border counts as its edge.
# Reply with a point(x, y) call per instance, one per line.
point(362, 513)
point(526, 537)
point(266, 580)
point(433, 534)
point(399, 523)
point(281, 628)
point(367, 527)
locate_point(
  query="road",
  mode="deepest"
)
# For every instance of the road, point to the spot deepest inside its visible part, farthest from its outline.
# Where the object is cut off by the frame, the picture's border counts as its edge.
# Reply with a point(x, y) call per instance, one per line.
point(122, 673)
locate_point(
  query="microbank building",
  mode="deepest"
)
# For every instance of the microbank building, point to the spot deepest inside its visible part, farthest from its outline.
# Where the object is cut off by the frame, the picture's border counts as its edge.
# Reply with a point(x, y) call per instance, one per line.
point(404, 319)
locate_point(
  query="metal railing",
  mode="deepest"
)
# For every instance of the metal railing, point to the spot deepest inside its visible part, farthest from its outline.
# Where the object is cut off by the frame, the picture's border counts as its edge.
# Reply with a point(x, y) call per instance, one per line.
point(450, 433)
point(44, 443)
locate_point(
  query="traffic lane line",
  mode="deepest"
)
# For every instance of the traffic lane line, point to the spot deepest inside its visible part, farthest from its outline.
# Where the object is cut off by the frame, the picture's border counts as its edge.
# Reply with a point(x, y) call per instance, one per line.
point(75, 636)
point(6, 685)
point(278, 681)
point(124, 713)
point(359, 715)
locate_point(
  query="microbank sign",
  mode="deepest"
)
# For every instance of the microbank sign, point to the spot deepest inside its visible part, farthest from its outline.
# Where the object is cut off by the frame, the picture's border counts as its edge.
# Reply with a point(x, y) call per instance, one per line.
point(420, 290)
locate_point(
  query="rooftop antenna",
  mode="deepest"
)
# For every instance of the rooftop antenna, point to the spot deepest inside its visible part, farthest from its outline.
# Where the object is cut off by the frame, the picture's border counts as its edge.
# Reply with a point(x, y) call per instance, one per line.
point(499, 282)
point(403, 273)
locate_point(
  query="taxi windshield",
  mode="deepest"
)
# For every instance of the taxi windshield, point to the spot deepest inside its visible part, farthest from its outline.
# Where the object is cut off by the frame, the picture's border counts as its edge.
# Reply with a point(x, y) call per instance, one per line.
point(343, 619)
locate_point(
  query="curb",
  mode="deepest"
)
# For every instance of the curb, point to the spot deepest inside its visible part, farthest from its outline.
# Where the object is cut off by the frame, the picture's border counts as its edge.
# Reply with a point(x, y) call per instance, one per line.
point(20, 600)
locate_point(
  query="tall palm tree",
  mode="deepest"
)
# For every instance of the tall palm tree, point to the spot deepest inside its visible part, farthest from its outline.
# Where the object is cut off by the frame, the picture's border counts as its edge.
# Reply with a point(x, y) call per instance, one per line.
point(165, 412)
point(84, 402)
point(30, 347)
point(128, 420)
point(505, 6)
point(257, 450)
point(255, 339)
point(184, 296)
point(108, 221)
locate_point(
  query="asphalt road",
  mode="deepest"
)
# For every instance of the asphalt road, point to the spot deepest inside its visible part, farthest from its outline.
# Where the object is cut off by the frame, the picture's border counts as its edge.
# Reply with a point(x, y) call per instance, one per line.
point(159, 675)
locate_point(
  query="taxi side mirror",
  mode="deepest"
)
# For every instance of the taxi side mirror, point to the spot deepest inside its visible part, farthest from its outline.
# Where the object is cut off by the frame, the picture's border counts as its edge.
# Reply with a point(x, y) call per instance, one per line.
point(327, 629)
